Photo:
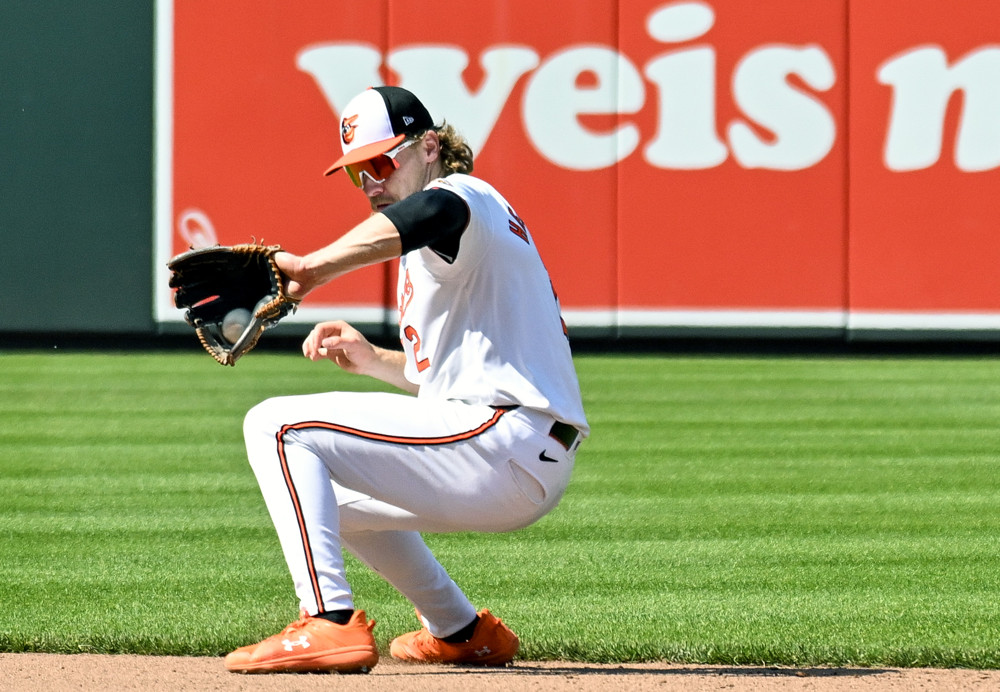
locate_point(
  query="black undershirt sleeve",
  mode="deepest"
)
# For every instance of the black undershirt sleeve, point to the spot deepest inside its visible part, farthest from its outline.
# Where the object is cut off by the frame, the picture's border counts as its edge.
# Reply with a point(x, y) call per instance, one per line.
point(434, 218)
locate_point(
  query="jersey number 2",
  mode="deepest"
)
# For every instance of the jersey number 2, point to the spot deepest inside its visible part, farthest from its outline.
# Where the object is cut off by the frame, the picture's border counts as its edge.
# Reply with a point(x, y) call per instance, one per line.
point(414, 338)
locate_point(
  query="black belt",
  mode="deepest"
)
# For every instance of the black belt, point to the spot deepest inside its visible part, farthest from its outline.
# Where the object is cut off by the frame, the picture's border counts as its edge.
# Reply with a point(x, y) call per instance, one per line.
point(564, 434)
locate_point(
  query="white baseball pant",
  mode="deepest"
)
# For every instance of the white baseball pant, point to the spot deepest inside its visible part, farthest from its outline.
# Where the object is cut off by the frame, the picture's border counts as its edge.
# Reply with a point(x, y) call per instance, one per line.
point(369, 471)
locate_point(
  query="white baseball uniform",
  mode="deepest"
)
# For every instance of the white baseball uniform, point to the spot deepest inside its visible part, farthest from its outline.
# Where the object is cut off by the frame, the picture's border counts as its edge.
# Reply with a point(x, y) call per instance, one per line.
point(482, 447)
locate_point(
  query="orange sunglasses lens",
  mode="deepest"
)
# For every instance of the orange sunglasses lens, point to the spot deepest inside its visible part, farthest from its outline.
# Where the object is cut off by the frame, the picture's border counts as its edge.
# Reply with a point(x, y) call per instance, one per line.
point(378, 168)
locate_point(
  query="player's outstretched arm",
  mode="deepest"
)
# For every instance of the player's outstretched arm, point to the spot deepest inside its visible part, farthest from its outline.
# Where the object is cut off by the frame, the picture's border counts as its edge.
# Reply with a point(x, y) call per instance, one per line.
point(351, 351)
point(372, 241)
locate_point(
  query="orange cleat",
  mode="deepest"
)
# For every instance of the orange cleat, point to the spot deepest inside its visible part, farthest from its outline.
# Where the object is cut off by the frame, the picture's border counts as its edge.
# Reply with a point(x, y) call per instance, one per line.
point(311, 645)
point(492, 644)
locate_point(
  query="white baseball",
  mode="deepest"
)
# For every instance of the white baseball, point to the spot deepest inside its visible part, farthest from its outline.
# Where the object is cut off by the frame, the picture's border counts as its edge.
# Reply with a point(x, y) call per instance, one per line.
point(233, 324)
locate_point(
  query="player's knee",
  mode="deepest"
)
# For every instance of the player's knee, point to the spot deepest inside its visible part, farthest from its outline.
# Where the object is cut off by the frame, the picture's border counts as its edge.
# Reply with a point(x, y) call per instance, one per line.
point(262, 419)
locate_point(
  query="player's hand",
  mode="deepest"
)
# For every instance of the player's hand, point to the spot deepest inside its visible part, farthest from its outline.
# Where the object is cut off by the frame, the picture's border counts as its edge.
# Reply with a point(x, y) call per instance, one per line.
point(293, 267)
point(343, 344)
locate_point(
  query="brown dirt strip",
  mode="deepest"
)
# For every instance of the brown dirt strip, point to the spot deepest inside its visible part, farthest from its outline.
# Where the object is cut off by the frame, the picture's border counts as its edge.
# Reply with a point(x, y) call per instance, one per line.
point(96, 673)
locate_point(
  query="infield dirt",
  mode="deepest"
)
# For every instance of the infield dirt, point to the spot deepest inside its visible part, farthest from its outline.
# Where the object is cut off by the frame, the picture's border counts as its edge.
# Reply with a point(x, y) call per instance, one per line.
point(97, 673)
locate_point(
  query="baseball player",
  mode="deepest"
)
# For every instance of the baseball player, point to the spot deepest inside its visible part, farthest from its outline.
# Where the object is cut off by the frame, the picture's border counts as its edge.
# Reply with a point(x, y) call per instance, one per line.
point(483, 436)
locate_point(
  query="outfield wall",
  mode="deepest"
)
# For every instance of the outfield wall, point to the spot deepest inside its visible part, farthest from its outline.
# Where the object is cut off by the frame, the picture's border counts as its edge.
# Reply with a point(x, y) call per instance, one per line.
point(821, 168)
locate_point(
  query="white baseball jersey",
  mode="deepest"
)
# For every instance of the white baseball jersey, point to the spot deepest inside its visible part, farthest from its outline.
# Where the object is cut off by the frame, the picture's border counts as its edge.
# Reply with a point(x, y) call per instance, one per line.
point(486, 328)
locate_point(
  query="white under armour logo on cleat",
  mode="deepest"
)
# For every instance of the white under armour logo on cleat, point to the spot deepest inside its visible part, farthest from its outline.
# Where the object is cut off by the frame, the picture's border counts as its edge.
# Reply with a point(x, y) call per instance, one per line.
point(302, 641)
point(484, 651)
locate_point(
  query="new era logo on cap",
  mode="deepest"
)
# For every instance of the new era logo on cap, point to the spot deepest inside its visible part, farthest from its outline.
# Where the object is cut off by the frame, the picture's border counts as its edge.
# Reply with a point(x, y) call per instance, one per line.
point(376, 120)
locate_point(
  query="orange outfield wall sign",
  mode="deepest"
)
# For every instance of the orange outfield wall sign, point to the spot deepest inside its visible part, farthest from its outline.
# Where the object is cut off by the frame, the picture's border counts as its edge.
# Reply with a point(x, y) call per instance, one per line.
point(680, 164)
point(925, 163)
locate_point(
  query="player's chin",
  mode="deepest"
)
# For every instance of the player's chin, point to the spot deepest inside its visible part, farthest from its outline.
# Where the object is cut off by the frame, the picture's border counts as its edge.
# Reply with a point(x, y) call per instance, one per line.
point(380, 203)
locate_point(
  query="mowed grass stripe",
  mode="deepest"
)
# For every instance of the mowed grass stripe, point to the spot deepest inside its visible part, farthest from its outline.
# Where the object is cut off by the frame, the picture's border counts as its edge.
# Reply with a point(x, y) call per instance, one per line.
point(726, 510)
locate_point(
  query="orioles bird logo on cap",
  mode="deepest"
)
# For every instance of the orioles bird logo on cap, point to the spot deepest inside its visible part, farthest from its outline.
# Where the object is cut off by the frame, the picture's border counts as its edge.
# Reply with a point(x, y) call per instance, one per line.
point(347, 129)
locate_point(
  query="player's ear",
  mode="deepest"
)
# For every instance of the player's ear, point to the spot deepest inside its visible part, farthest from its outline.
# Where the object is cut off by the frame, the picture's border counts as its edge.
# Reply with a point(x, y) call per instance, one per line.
point(430, 146)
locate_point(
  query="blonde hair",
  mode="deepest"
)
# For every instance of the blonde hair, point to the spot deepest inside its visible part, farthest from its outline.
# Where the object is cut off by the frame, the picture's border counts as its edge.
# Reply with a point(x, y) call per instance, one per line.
point(456, 154)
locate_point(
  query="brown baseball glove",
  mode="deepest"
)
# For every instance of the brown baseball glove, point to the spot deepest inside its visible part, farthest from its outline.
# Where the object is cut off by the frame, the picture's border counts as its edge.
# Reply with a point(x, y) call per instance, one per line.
point(231, 294)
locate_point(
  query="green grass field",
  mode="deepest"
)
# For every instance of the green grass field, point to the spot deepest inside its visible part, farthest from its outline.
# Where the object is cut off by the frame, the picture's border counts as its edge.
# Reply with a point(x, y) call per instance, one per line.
point(749, 510)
